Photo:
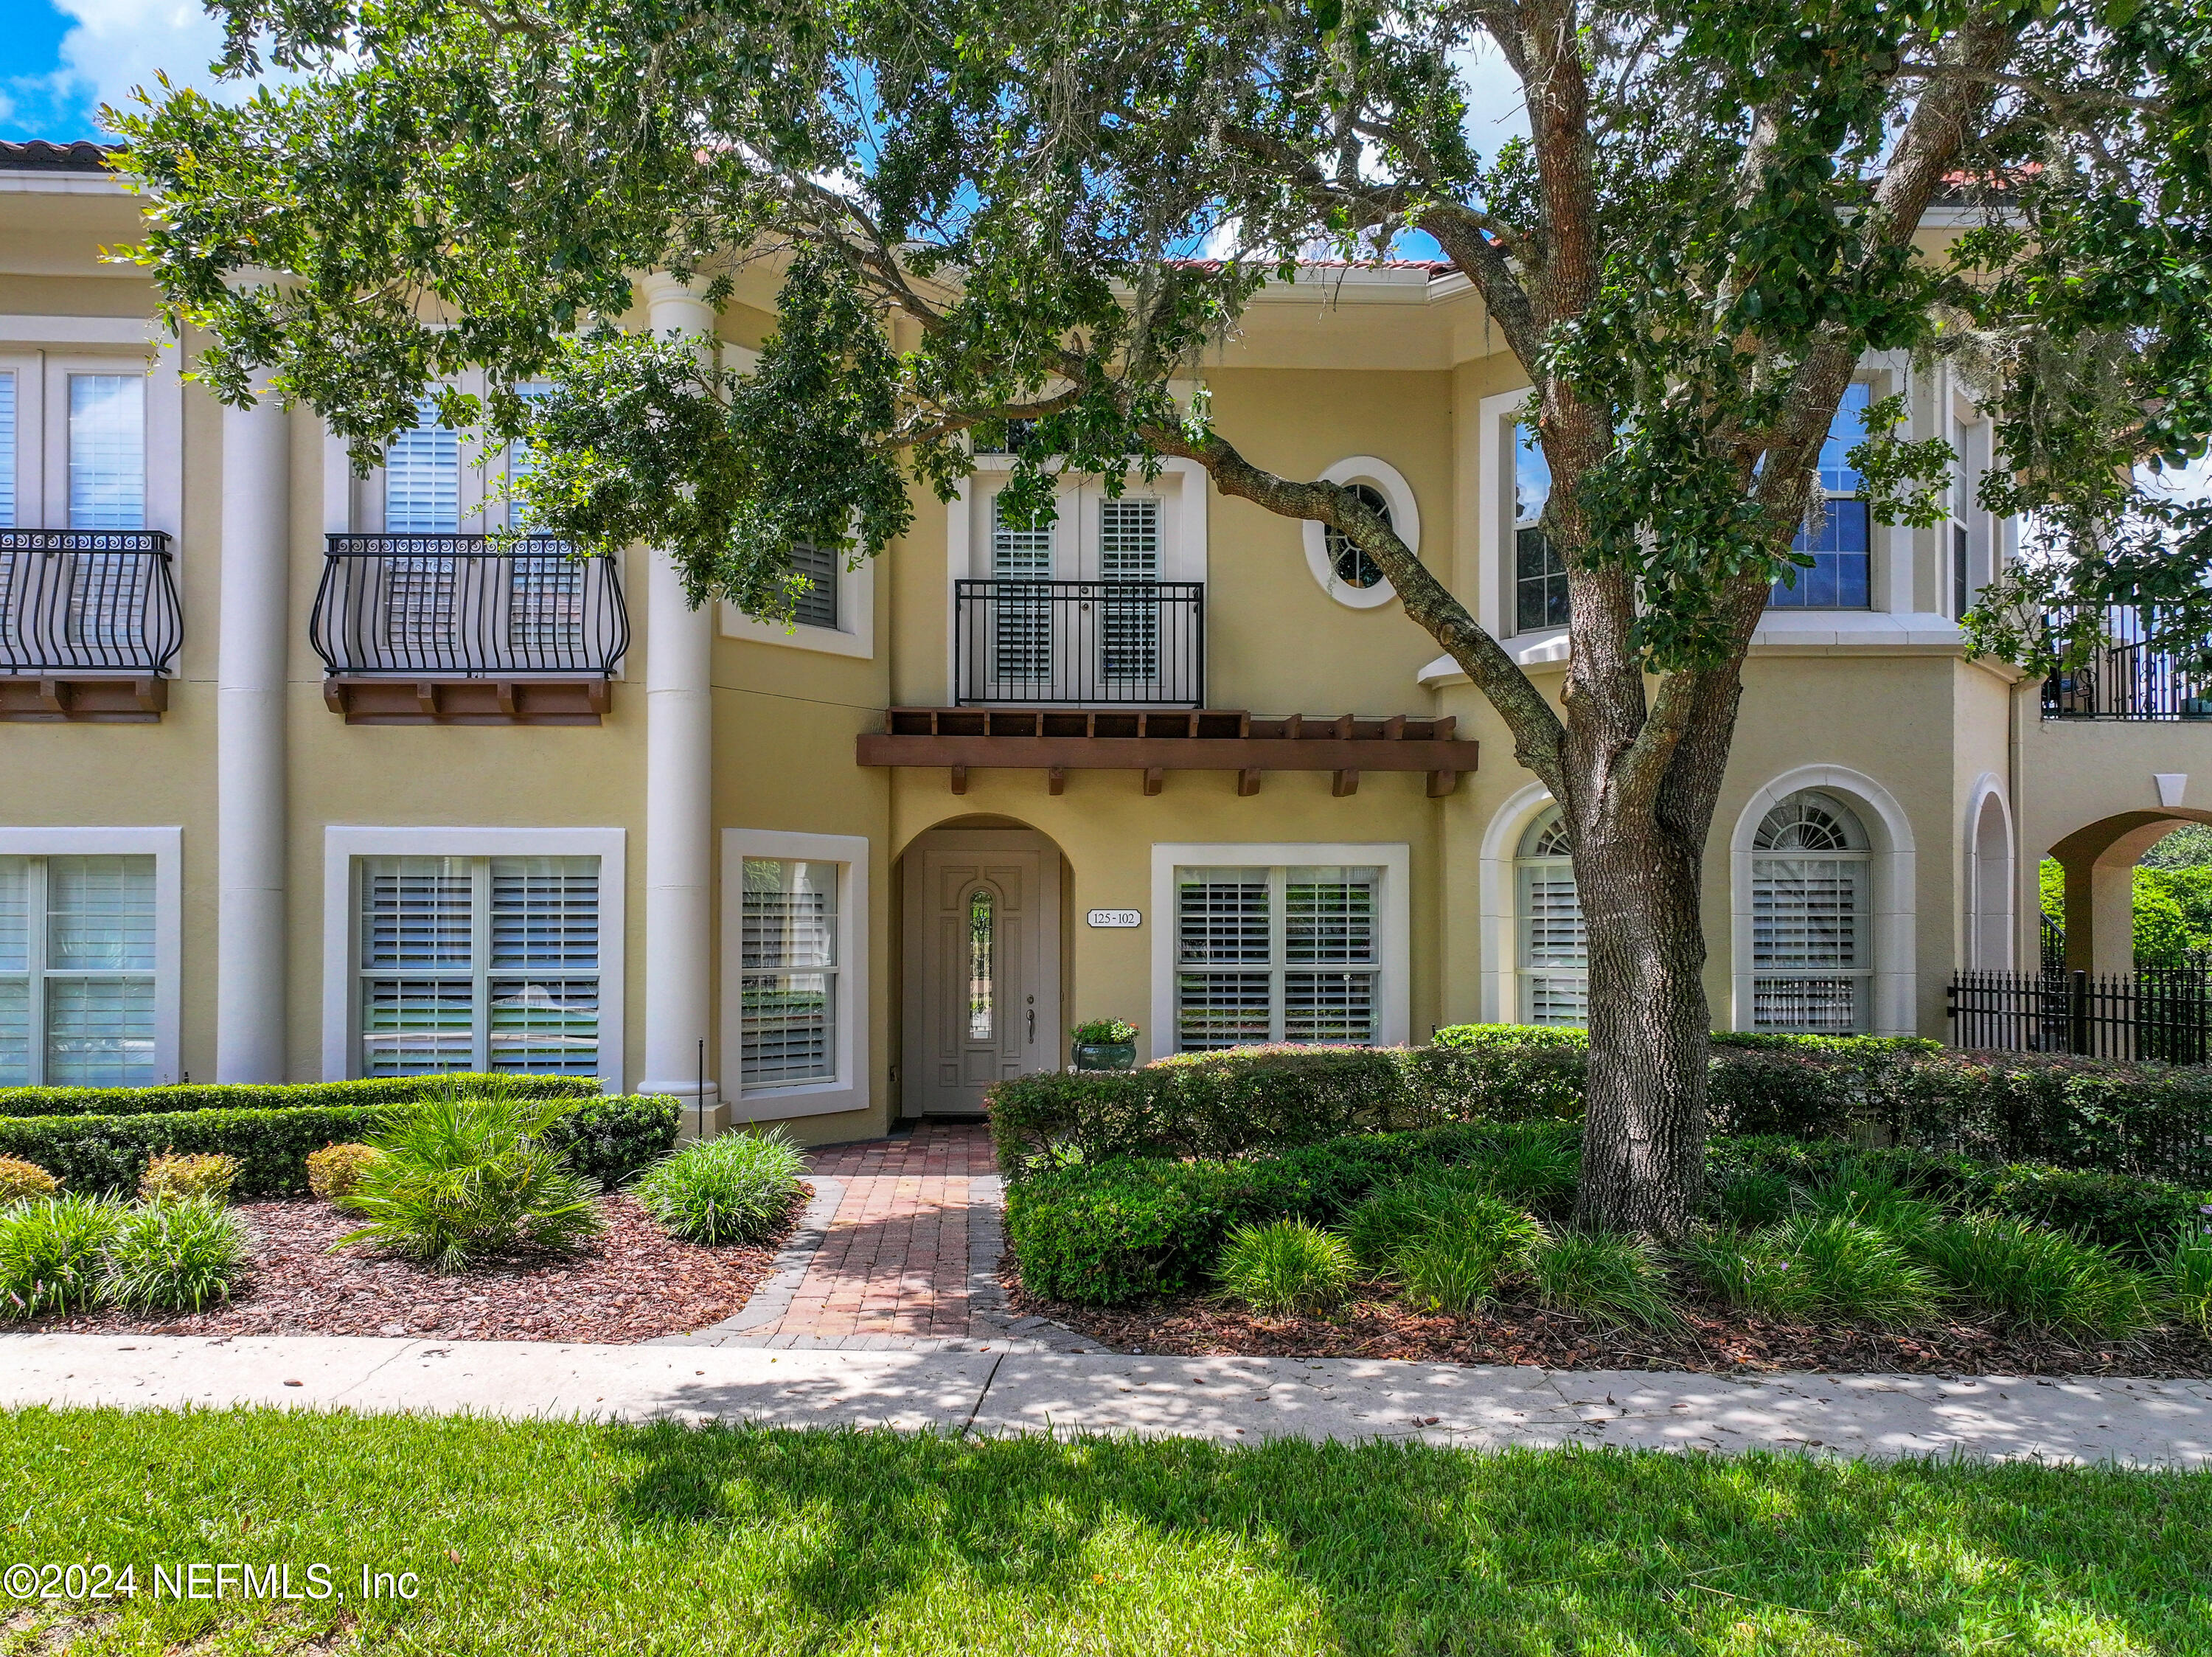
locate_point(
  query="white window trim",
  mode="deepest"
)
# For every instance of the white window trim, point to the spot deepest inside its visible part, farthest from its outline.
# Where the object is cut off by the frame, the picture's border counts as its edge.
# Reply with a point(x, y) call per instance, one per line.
point(1976, 884)
point(1495, 594)
point(166, 848)
point(1405, 518)
point(854, 635)
point(1393, 960)
point(1891, 863)
point(344, 845)
point(42, 410)
point(850, 1090)
point(1500, 920)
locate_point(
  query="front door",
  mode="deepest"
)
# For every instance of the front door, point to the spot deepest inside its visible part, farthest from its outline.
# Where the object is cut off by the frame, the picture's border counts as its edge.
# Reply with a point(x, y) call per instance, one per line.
point(982, 965)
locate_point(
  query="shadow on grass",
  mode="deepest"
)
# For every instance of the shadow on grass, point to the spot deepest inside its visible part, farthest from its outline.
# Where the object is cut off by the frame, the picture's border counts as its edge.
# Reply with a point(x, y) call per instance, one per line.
point(1406, 1548)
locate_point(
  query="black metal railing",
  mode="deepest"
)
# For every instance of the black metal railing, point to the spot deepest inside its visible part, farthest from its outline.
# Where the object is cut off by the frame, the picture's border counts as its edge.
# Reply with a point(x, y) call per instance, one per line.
point(1091, 642)
point(2159, 1013)
point(475, 606)
point(88, 600)
point(2053, 941)
point(2133, 672)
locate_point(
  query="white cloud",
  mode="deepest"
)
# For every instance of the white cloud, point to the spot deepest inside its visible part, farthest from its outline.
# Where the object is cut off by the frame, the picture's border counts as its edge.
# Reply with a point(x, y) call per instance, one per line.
point(116, 45)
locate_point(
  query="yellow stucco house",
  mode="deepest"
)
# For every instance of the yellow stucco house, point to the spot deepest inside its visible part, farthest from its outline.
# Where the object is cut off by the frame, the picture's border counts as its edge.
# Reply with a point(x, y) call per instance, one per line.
point(302, 776)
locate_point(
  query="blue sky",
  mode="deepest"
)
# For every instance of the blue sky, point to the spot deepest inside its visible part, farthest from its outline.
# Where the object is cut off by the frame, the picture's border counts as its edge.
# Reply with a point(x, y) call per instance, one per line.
point(60, 58)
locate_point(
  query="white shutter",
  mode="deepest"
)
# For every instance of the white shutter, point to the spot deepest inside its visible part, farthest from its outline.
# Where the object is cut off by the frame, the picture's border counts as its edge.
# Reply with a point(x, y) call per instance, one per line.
point(107, 451)
point(1336, 1007)
point(7, 452)
point(1223, 1010)
point(14, 972)
point(1329, 915)
point(788, 954)
point(416, 911)
point(99, 972)
point(1222, 915)
point(423, 478)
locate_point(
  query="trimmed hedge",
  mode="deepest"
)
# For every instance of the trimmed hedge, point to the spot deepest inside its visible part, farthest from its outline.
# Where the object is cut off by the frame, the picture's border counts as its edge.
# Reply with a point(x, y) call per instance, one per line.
point(1107, 1232)
point(2094, 1115)
point(255, 1096)
point(606, 1139)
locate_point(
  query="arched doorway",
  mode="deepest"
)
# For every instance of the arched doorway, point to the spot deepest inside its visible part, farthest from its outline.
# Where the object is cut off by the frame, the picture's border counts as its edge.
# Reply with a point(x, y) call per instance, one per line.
point(982, 964)
point(1990, 930)
point(2099, 859)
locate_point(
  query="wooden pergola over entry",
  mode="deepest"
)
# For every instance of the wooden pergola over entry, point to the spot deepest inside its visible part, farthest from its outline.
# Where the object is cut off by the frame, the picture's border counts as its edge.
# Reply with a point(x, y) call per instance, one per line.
point(1057, 741)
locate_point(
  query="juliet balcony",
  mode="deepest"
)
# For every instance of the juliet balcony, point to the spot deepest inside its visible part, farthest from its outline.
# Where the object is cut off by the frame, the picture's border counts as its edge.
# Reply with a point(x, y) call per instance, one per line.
point(90, 624)
point(467, 629)
point(1078, 644)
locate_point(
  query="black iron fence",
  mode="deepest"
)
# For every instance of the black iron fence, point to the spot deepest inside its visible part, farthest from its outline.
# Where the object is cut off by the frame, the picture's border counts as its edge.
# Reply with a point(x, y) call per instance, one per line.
point(88, 600)
point(2133, 672)
point(476, 606)
point(1091, 642)
point(2154, 1013)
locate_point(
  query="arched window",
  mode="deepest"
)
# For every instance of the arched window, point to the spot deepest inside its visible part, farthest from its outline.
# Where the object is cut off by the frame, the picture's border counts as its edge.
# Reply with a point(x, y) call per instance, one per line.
point(1354, 567)
point(1812, 918)
point(1554, 965)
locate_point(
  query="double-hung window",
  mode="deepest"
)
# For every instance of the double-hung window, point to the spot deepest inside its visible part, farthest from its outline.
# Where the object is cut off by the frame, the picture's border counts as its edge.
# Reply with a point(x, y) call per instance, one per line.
point(1811, 918)
point(1276, 954)
point(1840, 539)
point(1021, 632)
point(788, 1008)
point(1540, 577)
point(77, 1002)
point(479, 964)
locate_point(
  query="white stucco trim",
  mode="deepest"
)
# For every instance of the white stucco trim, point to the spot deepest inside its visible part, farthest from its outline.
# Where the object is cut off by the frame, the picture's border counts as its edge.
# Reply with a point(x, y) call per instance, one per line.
point(166, 848)
point(853, 635)
point(144, 331)
point(1405, 518)
point(1893, 866)
point(1500, 915)
point(343, 842)
point(1987, 787)
point(1395, 858)
point(850, 1090)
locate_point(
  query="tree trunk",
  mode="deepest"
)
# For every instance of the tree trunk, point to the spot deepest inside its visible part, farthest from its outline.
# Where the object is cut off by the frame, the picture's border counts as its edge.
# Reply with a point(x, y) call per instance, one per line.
point(1643, 1130)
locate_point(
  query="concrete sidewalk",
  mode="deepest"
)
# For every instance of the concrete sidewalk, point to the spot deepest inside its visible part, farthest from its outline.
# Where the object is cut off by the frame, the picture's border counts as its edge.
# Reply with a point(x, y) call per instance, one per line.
point(1226, 1400)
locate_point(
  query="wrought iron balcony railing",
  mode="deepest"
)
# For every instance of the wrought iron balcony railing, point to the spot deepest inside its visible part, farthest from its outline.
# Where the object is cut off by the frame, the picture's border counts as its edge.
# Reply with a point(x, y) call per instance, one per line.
point(88, 601)
point(2131, 674)
point(1090, 643)
point(467, 606)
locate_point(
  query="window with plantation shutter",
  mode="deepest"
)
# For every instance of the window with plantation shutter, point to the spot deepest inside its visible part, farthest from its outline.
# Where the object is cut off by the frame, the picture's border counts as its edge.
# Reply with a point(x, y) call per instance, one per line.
point(7, 460)
point(1555, 960)
point(479, 964)
point(1269, 954)
point(1021, 627)
point(787, 1017)
point(423, 478)
point(1129, 552)
point(76, 971)
point(818, 604)
point(107, 451)
point(1811, 958)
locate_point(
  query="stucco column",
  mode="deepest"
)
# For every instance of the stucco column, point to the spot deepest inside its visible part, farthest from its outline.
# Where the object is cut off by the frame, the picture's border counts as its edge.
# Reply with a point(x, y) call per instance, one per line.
point(679, 768)
point(254, 609)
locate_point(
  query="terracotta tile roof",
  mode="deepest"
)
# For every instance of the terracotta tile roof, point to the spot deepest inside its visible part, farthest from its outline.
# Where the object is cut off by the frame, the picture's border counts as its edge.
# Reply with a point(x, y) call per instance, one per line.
point(40, 156)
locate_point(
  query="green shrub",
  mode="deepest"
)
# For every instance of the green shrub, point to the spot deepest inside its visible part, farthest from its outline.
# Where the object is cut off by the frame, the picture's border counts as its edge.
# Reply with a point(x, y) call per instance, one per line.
point(735, 1188)
point(1537, 1164)
point(1393, 1219)
point(609, 1140)
point(50, 1253)
point(1752, 1273)
point(462, 1181)
point(1869, 1193)
point(176, 1255)
point(1286, 1266)
point(1855, 1273)
point(2038, 1276)
point(273, 1096)
point(20, 1180)
point(336, 1169)
point(1618, 1282)
point(2189, 1278)
point(1456, 1265)
point(1751, 1200)
point(171, 1176)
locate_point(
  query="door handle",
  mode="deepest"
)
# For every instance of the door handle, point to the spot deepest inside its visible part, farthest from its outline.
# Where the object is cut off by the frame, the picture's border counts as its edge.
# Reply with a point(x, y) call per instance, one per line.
point(1032, 1026)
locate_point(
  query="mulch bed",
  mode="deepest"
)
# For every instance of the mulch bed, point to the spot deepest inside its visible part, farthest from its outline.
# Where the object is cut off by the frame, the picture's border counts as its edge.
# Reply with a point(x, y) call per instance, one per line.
point(630, 1284)
point(1714, 1340)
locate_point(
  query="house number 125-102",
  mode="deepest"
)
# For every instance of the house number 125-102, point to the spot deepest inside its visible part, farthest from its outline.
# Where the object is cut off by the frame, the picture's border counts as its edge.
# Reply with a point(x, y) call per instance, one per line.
point(1114, 917)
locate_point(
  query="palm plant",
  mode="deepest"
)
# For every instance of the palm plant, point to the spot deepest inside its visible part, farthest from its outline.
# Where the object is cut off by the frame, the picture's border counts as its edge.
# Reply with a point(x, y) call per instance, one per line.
point(464, 1178)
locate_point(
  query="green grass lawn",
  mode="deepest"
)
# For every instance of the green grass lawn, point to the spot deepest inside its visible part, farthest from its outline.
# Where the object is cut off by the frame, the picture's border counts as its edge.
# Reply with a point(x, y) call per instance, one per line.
point(539, 1538)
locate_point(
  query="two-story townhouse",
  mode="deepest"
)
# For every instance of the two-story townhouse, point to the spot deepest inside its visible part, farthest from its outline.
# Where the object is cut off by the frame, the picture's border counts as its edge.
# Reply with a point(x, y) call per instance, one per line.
point(306, 774)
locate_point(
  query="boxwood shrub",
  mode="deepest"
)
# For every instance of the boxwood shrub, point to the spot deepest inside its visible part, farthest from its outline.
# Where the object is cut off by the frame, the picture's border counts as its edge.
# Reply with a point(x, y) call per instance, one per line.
point(1105, 1234)
point(254, 1096)
point(2091, 1115)
point(606, 1139)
